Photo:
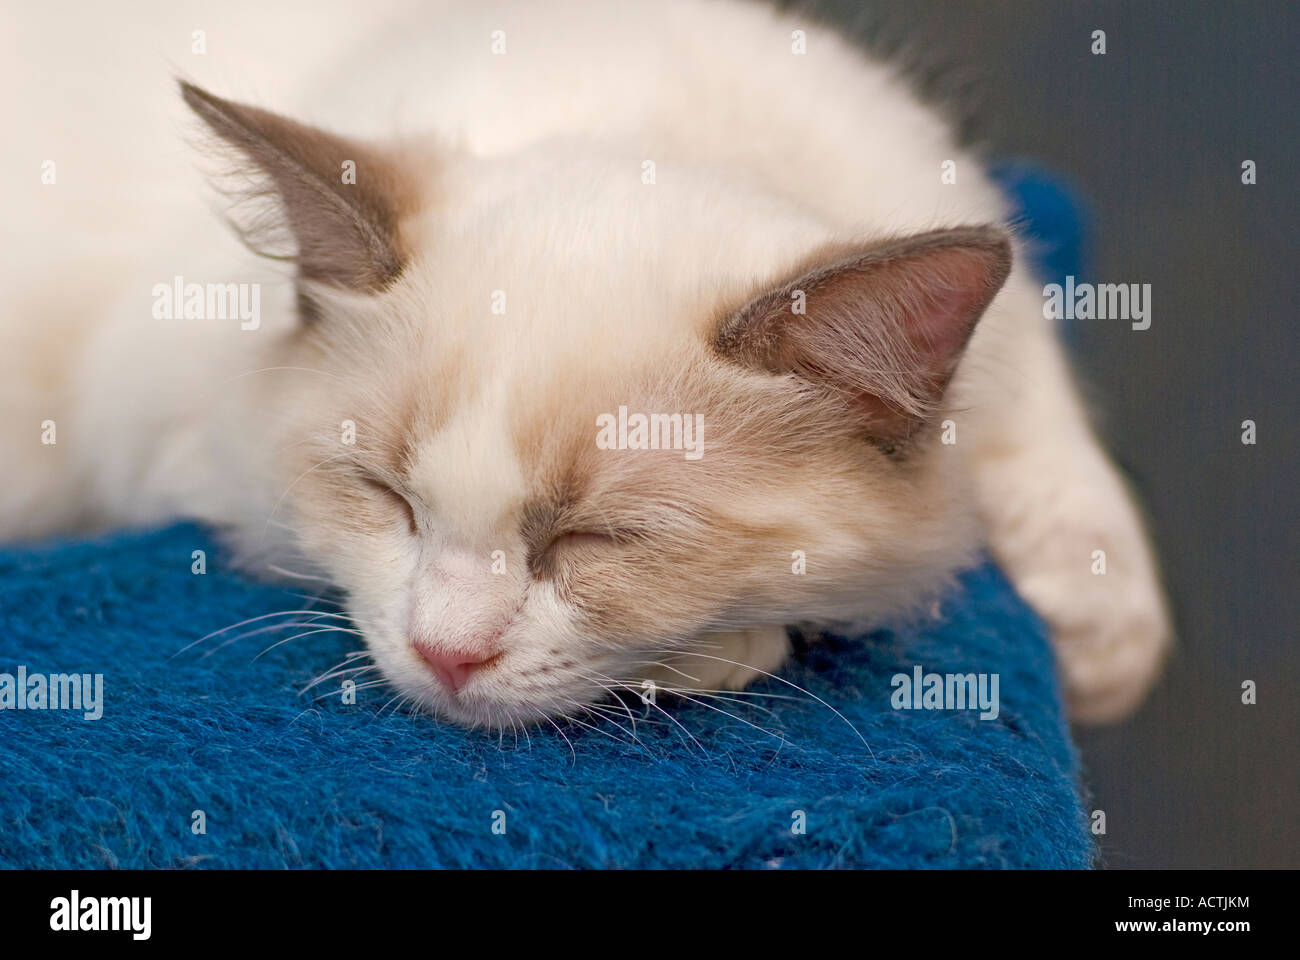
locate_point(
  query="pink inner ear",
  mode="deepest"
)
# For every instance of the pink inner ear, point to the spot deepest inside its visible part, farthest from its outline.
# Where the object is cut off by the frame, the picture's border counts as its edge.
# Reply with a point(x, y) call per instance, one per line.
point(954, 290)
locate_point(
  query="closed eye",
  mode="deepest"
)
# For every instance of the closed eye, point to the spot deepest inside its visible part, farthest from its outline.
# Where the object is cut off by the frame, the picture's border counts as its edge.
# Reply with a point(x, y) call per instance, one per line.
point(583, 540)
point(387, 492)
point(573, 545)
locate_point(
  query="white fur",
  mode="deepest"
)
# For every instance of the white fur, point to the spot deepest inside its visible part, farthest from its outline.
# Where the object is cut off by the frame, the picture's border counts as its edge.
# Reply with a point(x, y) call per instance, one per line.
point(543, 183)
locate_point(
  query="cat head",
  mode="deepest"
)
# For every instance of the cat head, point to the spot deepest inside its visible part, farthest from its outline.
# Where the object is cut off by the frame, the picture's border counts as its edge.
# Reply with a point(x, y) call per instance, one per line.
point(596, 416)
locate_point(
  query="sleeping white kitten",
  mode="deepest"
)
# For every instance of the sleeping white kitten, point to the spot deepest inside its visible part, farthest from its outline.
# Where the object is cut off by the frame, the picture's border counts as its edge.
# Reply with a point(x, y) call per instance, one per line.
point(511, 224)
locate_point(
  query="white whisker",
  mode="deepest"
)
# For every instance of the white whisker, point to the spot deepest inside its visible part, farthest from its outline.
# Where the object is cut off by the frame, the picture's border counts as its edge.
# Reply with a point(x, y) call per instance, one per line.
point(295, 575)
point(794, 686)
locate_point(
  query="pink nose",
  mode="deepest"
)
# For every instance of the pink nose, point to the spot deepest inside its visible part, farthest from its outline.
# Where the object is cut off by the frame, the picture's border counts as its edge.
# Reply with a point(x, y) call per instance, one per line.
point(453, 667)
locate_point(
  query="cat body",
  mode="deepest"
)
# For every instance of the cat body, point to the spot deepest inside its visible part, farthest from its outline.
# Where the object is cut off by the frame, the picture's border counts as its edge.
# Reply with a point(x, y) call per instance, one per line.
point(558, 213)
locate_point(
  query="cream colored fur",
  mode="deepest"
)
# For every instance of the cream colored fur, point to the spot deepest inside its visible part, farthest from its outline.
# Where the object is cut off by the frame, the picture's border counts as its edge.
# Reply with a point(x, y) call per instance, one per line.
point(612, 285)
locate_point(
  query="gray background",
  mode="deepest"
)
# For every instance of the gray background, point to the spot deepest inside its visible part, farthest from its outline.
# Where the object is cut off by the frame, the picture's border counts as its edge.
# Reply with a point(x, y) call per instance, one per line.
point(1153, 135)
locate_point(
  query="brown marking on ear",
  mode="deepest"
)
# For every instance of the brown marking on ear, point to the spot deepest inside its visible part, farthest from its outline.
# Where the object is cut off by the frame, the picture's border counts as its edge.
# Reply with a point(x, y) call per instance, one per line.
point(884, 325)
point(347, 234)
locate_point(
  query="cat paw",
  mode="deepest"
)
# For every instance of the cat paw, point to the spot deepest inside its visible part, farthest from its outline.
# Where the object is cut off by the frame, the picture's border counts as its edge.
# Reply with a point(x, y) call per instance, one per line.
point(1111, 634)
point(1063, 525)
point(1108, 667)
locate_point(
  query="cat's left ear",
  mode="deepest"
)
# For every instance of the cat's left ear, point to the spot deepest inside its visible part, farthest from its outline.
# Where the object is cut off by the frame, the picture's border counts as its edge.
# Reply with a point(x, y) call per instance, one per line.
point(341, 202)
point(878, 329)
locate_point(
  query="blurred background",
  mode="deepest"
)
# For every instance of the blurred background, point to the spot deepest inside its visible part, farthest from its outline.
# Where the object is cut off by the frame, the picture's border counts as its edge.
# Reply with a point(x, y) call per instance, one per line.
point(1152, 135)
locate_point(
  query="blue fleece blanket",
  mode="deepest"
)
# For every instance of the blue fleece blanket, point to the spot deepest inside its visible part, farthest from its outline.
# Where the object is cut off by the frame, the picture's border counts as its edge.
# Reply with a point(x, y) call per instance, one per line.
point(215, 757)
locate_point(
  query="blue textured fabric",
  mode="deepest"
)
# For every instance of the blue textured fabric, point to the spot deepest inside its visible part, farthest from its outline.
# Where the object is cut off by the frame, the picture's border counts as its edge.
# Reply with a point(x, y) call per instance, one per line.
point(285, 779)
point(1052, 223)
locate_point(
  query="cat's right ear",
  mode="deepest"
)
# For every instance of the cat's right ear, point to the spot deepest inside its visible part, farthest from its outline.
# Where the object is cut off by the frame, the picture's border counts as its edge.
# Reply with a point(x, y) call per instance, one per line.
point(332, 205)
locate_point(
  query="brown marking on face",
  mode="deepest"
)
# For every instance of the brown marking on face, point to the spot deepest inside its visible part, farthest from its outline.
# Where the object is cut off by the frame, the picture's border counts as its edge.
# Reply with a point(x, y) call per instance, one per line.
point(396, 402)
point(685, 544)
